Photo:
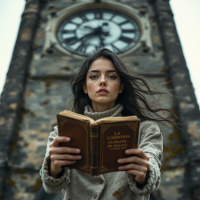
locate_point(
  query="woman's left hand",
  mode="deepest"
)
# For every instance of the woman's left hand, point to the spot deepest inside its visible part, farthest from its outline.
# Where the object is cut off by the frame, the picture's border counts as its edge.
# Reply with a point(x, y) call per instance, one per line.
point(138, 165)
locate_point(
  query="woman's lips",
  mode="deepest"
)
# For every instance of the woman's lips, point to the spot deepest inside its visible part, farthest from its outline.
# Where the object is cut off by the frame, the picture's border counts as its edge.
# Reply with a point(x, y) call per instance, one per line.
point(102, 93)
point(102, 90)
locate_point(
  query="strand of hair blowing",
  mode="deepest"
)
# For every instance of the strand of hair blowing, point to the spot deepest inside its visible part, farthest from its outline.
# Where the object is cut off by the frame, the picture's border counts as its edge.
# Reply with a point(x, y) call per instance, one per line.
point(133, 98)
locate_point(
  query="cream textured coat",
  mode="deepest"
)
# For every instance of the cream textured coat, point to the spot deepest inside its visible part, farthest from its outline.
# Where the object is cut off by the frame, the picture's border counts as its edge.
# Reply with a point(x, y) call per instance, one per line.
point(77, 185)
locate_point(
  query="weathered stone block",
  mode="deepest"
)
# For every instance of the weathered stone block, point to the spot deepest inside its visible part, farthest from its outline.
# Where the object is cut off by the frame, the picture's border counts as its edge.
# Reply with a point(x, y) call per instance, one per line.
point(173, 185)
point(24, 184)
point(39, 116)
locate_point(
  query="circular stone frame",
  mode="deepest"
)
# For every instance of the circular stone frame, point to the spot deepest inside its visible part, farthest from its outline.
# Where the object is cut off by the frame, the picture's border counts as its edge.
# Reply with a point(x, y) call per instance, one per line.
point(54, 22)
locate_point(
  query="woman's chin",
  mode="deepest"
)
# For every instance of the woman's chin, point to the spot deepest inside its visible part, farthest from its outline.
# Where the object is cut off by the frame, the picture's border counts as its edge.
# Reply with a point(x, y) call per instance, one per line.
point(103, 100)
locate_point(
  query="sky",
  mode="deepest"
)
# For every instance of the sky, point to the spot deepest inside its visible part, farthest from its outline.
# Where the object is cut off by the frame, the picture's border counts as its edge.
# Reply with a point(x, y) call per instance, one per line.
point(186, 16)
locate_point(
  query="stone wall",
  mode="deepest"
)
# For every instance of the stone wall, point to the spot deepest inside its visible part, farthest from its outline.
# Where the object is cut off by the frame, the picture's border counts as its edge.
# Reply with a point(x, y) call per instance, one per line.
point(39, 88)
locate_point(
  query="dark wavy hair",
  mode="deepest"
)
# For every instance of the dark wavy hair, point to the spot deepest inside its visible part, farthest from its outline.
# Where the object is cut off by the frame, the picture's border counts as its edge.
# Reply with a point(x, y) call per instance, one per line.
point(133, 98)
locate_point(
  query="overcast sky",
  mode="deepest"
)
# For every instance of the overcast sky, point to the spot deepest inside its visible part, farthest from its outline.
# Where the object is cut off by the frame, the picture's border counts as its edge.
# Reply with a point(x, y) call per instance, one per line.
point(186, 15)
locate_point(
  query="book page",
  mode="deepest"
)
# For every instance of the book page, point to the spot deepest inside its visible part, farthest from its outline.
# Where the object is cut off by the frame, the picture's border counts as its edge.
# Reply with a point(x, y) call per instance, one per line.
point(76, 116)
point(117, 119)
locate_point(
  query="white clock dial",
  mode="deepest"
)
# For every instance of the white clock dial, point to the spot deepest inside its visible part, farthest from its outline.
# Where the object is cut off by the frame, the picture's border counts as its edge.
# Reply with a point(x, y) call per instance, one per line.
point(87, 30)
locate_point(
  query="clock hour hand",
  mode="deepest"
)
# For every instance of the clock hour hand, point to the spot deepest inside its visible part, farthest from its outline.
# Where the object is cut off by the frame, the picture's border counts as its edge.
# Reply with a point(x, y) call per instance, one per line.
point(105, 24)
point(88, 27)
point(85, 36)
point(104, 28)
point(102, 33)
point(101, 40)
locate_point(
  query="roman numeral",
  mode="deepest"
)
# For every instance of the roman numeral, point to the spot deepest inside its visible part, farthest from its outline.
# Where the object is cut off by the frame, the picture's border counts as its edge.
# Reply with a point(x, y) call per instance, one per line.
point(82, 47)
point(98, 15)
point(68, 31)
point(125, 39)
point(124, 22)
point(129, 30)
point(116, 50)
point(112, 17)
point(71, 40)
point(84, 18)
point(74, 23)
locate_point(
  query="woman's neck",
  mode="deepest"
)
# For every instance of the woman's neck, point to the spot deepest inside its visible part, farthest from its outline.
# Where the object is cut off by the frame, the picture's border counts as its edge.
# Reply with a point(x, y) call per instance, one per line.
point(114, 112)
point(102, 107)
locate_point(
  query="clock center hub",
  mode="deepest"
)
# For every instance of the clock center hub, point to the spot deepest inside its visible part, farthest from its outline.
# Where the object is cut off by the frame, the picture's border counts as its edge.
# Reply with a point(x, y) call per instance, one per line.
point(109, 32)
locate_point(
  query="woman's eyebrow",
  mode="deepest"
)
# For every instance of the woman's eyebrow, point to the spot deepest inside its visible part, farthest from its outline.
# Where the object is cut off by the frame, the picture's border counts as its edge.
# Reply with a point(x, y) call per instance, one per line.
point(99, 71)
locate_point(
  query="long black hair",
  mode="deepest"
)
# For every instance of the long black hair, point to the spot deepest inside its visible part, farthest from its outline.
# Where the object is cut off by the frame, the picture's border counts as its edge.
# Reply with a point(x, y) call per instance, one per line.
point(133, 98)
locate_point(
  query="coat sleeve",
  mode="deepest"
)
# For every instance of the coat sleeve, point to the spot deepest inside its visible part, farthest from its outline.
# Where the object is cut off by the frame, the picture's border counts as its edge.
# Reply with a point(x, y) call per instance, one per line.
point(50, 184)
point(151, 142)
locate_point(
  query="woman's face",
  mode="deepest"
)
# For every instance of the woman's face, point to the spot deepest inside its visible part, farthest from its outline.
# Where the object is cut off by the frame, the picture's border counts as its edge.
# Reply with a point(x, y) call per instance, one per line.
point(103, 83)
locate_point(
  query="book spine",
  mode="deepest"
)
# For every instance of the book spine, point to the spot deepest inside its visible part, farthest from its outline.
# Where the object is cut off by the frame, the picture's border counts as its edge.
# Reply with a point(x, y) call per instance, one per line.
point(137, 134)
point(94, 149)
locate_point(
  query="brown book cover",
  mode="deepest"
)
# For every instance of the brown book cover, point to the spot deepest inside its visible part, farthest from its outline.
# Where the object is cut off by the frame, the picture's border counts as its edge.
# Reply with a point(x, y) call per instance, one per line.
point(102, 142)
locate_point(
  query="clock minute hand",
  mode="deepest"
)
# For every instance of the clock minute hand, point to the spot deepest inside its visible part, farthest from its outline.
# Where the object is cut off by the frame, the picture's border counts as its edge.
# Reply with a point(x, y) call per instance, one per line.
point(85, 36)
point(101, 33)
point(89, 27)
point(101, 39)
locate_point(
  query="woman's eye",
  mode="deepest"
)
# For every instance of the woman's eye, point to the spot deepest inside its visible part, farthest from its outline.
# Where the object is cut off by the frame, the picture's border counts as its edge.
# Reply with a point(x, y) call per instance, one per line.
point(93, 77)
point(112, 77)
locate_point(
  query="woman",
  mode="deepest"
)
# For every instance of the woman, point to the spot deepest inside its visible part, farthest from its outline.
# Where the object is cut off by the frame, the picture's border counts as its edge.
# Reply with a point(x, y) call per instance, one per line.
point(104, 88)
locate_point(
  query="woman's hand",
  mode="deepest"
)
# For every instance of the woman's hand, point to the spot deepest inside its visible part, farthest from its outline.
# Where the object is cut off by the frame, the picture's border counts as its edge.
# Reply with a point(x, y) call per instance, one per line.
point(138, 165)
point(61, 155)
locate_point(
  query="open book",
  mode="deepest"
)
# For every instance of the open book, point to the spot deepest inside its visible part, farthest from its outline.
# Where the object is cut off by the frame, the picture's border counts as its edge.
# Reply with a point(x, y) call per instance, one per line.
point(102, 142)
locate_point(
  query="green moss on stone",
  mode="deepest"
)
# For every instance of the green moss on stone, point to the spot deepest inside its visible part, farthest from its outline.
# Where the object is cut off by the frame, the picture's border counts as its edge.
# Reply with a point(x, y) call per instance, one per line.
point(27, 111)
point(37, 184)
point(47, 80)
point(45, 102)
point(164, 69)
point(12, 183)
point(172, 151)
point(168, 83)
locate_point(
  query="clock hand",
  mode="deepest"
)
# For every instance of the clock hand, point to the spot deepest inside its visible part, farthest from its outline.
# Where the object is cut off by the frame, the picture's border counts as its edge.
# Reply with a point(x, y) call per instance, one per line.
point(88, 27)
point(104, 32)
point(85, 36)
point(95, 31)
point(105, 25)
point(101, 38)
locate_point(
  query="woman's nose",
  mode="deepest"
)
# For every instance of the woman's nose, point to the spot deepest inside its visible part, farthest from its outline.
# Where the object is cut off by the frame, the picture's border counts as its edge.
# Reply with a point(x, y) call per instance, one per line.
point(103, 81)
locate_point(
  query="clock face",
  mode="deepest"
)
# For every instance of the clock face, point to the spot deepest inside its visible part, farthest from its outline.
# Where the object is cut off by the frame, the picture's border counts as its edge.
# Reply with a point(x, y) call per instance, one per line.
point(91, 29)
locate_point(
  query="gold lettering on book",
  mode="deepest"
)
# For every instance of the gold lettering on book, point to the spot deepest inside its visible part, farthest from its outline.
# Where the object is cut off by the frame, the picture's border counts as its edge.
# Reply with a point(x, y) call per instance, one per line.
point(117, 144)
point(117, 141)
point(118, 137)
point(115, 133)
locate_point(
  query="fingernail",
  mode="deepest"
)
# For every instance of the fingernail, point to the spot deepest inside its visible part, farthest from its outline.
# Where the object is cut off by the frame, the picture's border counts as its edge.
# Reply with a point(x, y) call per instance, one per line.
point(127, 151)
point(78, 150)
point(79, 156)
point(119, 168)
point(119, 160)
point(67, 138)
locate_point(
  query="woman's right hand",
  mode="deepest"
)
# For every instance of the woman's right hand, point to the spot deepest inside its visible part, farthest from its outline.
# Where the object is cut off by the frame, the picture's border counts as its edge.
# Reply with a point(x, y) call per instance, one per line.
point(61, 155)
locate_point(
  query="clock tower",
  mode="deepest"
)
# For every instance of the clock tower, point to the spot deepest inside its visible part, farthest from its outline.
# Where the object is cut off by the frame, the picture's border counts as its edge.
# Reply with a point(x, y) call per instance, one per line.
point(81, 28)
point(54, 38)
